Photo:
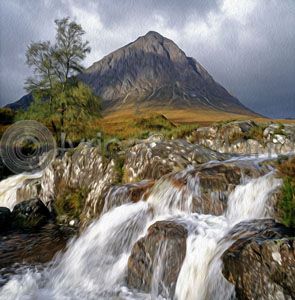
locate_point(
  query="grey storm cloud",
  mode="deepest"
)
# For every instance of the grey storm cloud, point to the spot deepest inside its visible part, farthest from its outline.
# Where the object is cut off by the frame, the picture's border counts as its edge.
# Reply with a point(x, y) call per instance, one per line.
point(248, 46)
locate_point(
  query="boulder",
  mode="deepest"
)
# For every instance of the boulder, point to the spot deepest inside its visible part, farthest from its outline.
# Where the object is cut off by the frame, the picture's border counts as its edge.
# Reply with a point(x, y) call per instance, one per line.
point(261, 263)
point(156, 259)
point(209, 185)
point(5, 218)
point(30, 214)
point(30, 248)
point(81, 169)
point(247, 137)
point(152, 160)
point(130, 192)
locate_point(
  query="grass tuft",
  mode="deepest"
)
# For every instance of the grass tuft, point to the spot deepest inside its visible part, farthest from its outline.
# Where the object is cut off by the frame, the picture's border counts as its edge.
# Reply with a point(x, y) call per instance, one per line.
point(70, 202)
point(286, 170)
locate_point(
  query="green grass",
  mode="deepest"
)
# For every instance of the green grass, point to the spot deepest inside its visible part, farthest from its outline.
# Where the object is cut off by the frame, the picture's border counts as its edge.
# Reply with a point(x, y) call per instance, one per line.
point(286, 170)
point(280, 129)
point(161, 125)
point(256, 132)
point(181, 131)
point(119, 167)
point(154, 123)
point(222, 123)
point(287, 203)
point(142, 128)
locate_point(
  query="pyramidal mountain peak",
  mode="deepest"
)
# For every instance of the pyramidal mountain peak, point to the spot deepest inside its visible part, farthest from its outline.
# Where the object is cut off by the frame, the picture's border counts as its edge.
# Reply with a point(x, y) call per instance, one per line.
point(153, 72)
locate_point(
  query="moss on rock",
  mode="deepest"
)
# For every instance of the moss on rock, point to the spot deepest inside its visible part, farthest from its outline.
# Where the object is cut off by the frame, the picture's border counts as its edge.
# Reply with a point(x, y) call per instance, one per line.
point(70, 203)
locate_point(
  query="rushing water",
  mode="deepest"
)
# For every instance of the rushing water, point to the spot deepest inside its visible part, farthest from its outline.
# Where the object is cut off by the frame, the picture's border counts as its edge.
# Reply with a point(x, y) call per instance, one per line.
point(95, 264)
point(9, 187)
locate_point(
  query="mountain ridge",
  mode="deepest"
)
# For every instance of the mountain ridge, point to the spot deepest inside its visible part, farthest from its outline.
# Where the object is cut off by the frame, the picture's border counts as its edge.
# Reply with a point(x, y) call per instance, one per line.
point(153, 71)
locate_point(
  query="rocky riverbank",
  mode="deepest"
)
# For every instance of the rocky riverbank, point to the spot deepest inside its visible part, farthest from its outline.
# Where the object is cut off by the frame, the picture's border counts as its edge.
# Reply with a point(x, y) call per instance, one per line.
point(189, 196)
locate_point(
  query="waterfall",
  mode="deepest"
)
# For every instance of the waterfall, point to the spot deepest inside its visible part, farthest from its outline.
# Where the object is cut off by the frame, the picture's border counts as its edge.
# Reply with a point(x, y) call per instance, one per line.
point(95, 264)
point(200, 276)
point(9, 187)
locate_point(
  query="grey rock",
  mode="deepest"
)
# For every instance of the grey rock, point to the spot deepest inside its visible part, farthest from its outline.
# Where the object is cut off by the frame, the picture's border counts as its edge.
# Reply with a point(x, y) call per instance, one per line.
point(261, 263)
point(152, 160)
point(245, 137)
point(165, 243)
point(81, 168)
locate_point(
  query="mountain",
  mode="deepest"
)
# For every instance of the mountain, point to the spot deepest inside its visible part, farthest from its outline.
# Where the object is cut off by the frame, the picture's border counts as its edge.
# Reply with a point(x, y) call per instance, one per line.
point(154, 72)
point(23, 103)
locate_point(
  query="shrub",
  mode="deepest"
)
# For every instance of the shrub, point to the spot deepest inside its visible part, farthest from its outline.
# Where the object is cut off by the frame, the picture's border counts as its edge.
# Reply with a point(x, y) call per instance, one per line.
point(155, 123)
point(6, 116)
point(119, 167)
point(181, 131)
point(286, 167)
point(256, 132)
point(287, 203)
point(279, 130)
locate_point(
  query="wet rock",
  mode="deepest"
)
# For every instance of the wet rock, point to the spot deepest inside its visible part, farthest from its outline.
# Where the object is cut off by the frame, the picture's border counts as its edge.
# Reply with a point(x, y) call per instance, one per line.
point(152, 160)
point(5, 218)
point(83, 168)
point(209, 185)
point(30, 189)
point(30, 214)
point(131, 192)
point(261, 263)
point(22, 248)
point(156, 259)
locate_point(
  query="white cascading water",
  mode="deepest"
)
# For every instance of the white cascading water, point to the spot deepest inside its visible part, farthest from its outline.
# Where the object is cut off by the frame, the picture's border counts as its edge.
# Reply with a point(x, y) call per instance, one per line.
point(95, 264)
point(9, 187)
point(200, 276)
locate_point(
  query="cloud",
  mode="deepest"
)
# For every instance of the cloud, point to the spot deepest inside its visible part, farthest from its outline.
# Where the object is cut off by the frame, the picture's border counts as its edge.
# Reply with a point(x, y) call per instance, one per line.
point(248, 46)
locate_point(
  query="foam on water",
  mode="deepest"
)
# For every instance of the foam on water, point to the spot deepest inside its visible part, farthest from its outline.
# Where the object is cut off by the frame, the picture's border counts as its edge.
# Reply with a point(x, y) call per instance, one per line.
point(95, 264)
point(9, 187)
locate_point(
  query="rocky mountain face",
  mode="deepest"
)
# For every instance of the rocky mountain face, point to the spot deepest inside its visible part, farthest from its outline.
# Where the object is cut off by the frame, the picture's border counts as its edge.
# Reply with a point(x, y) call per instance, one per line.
point(153, 72)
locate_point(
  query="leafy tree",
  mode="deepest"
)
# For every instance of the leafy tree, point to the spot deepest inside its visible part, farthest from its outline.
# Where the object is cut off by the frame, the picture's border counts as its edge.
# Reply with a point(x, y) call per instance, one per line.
point(58, 62)
point(59, 99)
point(71, 110)
point(40, 57)
point(76, 107)
point(69, 50)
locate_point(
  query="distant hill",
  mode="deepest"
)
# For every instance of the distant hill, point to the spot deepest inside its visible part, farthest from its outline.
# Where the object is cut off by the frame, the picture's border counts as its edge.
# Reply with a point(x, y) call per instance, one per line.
point(154, 72)
point(23, 103)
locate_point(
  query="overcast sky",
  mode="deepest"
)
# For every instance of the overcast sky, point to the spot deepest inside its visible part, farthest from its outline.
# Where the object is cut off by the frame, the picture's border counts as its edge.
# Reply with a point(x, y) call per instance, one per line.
point(247, 46)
